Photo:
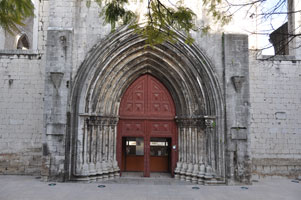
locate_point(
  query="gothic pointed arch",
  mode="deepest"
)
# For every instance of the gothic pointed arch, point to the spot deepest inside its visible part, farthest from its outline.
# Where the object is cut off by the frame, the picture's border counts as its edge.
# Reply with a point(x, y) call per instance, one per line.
point(102, 79)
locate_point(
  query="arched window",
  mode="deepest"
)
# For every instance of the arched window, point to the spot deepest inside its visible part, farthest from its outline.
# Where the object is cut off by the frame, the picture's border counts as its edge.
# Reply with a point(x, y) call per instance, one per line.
point(23, 42)
point(25, 37)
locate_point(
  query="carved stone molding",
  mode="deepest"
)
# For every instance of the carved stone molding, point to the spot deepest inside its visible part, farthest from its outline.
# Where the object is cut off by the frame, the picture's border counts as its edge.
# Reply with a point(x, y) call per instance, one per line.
point(195, 90)
point(56, 78)
point(209, 121)
point(237, 82)
point(102, 120)
point(190, 121)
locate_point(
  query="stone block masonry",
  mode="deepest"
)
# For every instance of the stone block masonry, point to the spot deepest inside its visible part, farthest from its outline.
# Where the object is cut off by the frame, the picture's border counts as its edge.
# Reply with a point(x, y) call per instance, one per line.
point(57, 80)
point(21, 112)
point(276, 117)
point(253, 104)
point(237, 97)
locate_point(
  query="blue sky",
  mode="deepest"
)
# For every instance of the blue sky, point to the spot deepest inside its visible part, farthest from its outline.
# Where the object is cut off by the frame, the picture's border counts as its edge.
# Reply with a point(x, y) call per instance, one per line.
point(270, 23)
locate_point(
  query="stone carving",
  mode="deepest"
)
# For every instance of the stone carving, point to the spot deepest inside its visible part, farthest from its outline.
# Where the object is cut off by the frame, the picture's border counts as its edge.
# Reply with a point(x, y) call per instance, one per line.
point(196, 91)
point(237, 82)
point(209, 121)
point(56, 78)
point(196, 146)
point(190, 121)
point(99, 148)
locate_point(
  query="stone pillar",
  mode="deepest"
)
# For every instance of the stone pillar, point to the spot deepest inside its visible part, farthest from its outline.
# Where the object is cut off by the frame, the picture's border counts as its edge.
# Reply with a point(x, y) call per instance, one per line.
point(181, 152)
point(190, 132)
point(96, 149)
point(237, 98)
point(57, 81)
point(210, 163)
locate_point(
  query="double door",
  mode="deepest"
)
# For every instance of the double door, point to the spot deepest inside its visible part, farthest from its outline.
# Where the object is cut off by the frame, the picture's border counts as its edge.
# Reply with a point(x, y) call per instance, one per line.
point(146, 138)
point(159, 155)
point(147, 146)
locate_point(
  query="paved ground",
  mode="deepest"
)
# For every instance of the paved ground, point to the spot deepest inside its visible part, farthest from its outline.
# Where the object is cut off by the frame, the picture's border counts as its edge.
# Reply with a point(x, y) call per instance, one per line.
point(30, 188)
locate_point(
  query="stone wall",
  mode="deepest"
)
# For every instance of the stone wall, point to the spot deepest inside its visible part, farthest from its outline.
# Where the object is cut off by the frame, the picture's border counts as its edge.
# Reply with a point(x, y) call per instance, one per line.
point(11, 39)
point(21, 103)
point(73, 29)
point(275, 116)
point(21, 116)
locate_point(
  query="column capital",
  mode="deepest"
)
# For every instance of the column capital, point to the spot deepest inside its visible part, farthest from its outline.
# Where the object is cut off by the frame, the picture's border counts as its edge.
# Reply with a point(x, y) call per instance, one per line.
point(209, 121)
point(102, 120)
point(190, 121)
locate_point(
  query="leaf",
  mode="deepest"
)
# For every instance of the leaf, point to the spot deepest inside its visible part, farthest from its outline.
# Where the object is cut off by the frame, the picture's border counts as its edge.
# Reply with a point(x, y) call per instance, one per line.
point(88, 3)
point(163, 21)
point(13, 12)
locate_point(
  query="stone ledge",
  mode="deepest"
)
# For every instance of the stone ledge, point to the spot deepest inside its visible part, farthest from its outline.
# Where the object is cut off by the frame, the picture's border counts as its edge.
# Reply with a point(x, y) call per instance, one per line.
point(19, 52)
point(277, 58)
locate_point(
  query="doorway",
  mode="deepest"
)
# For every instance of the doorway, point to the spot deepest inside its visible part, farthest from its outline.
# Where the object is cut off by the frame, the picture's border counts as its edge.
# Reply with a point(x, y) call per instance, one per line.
point(146, 128)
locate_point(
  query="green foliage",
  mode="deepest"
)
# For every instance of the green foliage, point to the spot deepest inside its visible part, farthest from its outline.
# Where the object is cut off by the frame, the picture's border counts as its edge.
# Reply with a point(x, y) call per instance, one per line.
point(219, 15)
point(113, 12)
point(13, 12)
point(162, 21)
point(160, 26)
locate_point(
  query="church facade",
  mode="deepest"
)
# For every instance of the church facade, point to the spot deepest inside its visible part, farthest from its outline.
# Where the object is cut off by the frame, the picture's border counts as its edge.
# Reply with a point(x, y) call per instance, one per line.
point(85, 104)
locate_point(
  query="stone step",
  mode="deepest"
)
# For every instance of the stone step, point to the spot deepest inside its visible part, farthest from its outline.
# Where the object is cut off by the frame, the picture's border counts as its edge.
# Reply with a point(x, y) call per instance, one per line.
point(146, 181)
point(155, 179)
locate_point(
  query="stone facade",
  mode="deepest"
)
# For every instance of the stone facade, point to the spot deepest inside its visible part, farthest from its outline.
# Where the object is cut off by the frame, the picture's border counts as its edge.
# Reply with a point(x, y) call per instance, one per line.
point(21, 116)
point(237, 114)
point(275, 141)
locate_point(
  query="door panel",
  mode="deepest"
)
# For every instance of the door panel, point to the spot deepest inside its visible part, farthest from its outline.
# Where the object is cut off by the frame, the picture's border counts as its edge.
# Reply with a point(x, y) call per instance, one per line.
point(161, 127)
point(147, 97)
point(146, 110)
point(134, 163)
point(134, 100)
point(134, 154)
point(133, 127)
point(160, 101)
point(159, 154)
point(159, 164)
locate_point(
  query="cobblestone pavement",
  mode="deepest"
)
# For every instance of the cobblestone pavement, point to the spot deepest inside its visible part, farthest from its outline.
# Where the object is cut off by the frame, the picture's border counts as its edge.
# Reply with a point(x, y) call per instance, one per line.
point(32, 188)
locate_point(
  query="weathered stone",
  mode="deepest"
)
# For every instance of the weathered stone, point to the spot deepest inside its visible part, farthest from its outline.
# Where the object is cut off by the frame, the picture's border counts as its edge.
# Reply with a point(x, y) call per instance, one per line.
point(236, 114)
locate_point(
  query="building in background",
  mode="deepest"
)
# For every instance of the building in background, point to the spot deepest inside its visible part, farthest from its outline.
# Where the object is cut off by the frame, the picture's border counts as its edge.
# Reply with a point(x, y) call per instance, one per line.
point(81, 103)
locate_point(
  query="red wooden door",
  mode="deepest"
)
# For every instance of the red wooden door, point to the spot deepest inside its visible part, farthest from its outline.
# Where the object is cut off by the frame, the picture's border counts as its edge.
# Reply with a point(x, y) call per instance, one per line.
point(147, 110)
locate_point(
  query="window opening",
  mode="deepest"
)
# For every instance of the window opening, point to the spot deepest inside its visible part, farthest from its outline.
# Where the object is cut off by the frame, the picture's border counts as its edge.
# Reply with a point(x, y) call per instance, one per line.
point(23, 42)
point(135, 146)
point(159, 147)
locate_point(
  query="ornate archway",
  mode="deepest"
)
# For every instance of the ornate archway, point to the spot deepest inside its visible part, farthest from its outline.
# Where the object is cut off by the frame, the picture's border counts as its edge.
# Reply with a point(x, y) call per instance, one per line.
point(102, 80)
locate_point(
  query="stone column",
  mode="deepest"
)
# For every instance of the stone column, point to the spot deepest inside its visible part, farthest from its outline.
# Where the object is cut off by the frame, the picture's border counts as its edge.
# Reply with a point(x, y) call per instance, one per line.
point(189, 148)
point(113, 168)
point(98, 149)
point(210, 155)
point(237, 98)
point(58, 68)
point(181, 152)
point(81, 167)
point(114, 137)
point(57, 78)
